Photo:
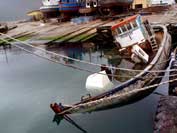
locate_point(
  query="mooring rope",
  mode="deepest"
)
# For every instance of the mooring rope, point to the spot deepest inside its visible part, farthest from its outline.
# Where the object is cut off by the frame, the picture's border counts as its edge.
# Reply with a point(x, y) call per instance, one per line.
point(79, 68)
point(81, 61)
point(121, 94)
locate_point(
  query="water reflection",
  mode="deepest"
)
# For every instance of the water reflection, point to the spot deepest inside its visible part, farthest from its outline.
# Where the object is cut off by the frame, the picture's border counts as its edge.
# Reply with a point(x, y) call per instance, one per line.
point(90, 53)
point(58, 119)
point(51, 88)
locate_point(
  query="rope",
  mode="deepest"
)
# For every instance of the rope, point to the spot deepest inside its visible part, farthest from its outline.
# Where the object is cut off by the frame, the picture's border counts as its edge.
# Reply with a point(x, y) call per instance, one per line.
point(80, 61)
point(150, 86)
point(123, 94)
point(79, 68)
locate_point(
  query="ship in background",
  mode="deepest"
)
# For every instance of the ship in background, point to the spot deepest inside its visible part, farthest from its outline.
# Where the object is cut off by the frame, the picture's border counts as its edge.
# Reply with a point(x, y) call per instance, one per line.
point(110, 3)
point(57, 8)
point(106, 7)
point(50, 8)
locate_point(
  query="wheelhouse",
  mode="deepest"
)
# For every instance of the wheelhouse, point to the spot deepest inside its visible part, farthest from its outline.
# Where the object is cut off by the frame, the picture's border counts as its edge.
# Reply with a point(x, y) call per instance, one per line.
point(131, 31)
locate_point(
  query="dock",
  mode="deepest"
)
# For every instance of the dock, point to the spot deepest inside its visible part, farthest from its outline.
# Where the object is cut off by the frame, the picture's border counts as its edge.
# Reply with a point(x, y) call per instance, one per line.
point(53, 32)
point(166, 115)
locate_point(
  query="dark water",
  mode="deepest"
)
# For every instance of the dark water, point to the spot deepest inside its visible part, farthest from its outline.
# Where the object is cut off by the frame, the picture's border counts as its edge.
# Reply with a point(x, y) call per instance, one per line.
point(29, 84)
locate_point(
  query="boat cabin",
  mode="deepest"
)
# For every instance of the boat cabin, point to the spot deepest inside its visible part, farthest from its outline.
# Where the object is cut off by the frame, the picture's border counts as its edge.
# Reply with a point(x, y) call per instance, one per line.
point(133, 34)
point(131, 31)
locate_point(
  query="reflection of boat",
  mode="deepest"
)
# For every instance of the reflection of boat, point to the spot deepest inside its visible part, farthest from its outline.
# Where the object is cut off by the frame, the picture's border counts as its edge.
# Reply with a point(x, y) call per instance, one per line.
point(58, 119)
point(132, 88)
point(71, 51)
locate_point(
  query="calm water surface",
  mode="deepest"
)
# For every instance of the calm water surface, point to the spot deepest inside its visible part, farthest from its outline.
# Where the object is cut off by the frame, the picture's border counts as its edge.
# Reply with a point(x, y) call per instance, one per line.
point(29, 84)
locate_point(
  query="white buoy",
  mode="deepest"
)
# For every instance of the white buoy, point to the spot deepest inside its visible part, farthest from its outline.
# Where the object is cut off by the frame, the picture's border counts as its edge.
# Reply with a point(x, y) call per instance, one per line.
point(98, 83)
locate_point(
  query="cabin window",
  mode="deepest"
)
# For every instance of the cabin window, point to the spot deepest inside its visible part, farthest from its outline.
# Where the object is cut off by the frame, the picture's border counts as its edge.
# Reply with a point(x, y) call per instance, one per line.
point(134, 24)
point(123, 29)
point(119, 31)
point(88, 3)
point(129, 27)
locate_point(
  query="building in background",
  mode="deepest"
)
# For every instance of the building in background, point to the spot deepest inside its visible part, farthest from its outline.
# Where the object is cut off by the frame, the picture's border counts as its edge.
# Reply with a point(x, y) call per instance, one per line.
point(138, 4)
point(162, 2)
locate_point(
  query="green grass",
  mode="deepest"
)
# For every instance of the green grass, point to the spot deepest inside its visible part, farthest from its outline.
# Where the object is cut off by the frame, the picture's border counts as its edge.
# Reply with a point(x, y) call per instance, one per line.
point(89, 37)
point(1, 41)
point(50, 38)
point(23, 38)
point(83, 37)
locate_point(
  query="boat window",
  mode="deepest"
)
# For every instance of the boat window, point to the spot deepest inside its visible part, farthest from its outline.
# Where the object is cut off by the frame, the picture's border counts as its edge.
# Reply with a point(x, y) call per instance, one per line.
point(129, 27)
point(88, 3)
point(134, 24)
point(123, 29)
point(119, 31)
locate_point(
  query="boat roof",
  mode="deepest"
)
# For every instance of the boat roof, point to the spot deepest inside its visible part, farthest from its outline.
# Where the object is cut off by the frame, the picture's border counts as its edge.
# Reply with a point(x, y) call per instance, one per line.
point(127, 20)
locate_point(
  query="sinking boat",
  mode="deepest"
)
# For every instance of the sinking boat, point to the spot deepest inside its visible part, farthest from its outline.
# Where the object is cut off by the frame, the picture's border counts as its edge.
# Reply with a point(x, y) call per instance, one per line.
point(154, 41)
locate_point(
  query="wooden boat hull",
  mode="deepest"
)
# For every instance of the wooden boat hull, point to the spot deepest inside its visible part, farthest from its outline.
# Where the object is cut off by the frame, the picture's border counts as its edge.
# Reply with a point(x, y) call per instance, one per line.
point(110, 3)
point(50, 11)
point(70, 7)
point(47, 9)
point(130, 89)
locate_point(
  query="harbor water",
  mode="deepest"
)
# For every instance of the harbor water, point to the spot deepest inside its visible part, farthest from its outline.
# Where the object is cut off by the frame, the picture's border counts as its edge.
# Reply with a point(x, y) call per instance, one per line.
point(29, 84)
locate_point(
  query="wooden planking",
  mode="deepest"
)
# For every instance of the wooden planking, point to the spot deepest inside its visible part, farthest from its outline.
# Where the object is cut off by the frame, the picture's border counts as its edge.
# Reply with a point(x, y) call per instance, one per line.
point(70, 31)
point(61, 33)
point(87, 31)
